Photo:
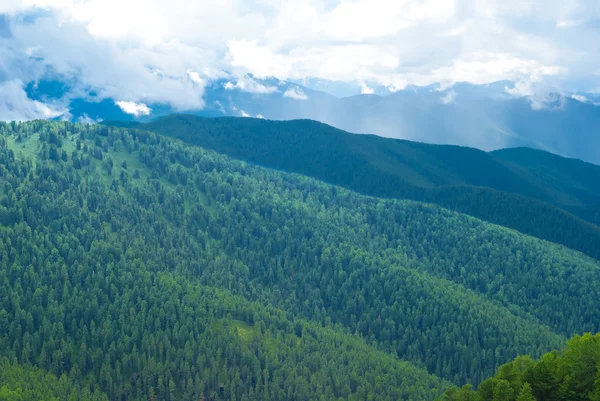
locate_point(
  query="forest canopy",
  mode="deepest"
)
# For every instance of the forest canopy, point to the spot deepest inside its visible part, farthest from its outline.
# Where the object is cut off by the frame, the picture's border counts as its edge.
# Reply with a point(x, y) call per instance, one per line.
point(139, 267)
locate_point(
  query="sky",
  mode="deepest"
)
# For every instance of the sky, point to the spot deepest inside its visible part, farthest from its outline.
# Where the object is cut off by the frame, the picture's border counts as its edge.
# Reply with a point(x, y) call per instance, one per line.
point(139, 52)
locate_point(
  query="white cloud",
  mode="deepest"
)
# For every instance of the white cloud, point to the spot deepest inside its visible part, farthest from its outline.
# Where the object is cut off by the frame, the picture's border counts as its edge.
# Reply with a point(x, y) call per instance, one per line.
point(390, 61)
point(111, 69)
point(448, 98)
point(521, 89)
point(539, 95)
point(259, 60)
point(486, 67)
point(85, 119)
point(580, 98)
point(16, 106)
point(569, 23)
point(133, 108)
point(360, 20)
point(553, 101)
point(244, 114)
point(295, 93)
point(220, 106)
point(260, 116)
point(585, 99)
point(365, 89)
point(195, 77)
point(166, 51)
point(247, 84)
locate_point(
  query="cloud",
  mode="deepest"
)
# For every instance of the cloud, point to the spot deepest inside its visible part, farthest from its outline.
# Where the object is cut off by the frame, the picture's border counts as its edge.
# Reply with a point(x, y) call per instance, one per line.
point(133, 108)
point(247, 84)
point(592, 99)
point(448, 98)
point(539, 95)
point(167, 51)
point(548, 100)
point(295, 93)
point(195, 77)
point(580, 98)
point(486, 67)
point(85, 119)
point(45, 49)
point(365, 89)
point(361, 20)
point(16, 106)
point(569, 23)
point(220, 106)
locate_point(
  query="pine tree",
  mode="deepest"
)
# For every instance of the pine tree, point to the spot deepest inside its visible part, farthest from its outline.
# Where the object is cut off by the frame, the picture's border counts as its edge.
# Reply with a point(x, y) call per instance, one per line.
point(526, 394)
point(503, 391)
point(151, 394)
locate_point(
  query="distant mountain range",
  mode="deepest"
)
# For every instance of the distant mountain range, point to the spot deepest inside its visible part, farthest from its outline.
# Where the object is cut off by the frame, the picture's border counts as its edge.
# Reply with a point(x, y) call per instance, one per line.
point(487, 117)
point(532, 191)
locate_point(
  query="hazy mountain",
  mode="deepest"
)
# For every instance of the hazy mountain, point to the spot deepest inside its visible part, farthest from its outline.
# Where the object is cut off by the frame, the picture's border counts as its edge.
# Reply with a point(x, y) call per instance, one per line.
point(487, 117)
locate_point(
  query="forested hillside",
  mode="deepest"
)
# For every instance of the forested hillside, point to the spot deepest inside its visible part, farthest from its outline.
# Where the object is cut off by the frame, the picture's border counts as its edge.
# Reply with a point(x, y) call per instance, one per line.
point(24, 383)
point(579, 182)
point(569, 375)
point(535, 195)
point(145, 268)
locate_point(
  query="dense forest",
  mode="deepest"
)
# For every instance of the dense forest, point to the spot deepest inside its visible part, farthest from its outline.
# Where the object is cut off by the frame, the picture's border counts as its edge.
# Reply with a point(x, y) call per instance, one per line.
point(569, 375)
point(139, 267)
point(25, 383)
point(534, 192)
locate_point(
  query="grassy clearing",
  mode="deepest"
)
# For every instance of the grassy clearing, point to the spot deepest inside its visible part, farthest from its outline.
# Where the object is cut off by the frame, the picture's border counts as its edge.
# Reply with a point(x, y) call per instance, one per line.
point(26, 148)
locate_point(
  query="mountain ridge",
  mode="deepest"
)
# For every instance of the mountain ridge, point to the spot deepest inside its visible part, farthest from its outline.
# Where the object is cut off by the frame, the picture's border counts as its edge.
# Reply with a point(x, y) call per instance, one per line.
point(460, 178)
point(489, 117)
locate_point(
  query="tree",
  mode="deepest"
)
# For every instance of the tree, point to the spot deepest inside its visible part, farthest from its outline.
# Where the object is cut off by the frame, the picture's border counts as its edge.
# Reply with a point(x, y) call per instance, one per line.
point(526, 393)
point(503, 391)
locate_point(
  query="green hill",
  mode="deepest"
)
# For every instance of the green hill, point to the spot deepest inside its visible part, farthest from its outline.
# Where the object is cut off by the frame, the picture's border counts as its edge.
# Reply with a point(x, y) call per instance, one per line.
point(146, 267)
point(98, 283)
point(536, 195)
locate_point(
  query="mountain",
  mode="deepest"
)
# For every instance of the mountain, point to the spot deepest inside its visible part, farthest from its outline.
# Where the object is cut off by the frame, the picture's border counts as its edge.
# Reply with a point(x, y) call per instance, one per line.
point(524, 189)
point(576, 180)
point(139, 266)
point(487, 117)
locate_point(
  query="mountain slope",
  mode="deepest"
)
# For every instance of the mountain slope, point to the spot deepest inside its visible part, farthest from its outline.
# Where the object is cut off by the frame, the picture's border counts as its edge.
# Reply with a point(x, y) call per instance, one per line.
point(99, 280)
point(108, 219)
point(490, 187)
point(577, 181)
